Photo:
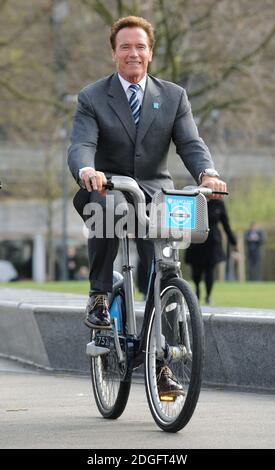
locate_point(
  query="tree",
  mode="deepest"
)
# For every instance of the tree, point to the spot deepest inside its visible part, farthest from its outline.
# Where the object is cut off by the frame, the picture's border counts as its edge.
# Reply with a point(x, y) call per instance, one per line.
point(218, 49)
point(221, 51)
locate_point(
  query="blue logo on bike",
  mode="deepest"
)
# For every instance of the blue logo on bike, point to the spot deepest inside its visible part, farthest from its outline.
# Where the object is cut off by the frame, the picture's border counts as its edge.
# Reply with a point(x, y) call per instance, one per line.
point(115, 312)
point(180, 212)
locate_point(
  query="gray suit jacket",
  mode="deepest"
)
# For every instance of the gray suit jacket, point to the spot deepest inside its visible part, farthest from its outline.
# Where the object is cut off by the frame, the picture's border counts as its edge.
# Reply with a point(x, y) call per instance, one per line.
point(105, 137)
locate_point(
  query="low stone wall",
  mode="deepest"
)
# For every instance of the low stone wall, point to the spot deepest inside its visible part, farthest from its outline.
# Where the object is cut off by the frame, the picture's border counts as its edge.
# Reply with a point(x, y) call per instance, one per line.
point(47, 331)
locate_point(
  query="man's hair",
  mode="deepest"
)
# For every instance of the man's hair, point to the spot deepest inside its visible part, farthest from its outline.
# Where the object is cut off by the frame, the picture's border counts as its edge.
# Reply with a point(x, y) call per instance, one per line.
point(132, 22)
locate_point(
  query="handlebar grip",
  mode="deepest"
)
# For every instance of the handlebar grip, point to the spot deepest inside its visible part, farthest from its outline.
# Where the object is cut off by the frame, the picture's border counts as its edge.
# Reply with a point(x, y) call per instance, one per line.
point(109, 184)
point(225, 193)
point(208, 191)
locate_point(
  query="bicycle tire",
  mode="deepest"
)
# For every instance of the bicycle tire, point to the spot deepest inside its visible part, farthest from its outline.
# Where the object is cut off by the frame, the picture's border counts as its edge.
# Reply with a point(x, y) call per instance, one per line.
point(111, 386)
point(173, 416)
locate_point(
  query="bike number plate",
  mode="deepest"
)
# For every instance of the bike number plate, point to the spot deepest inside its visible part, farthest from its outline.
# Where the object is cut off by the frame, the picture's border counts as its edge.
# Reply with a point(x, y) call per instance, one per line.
point(102, 340)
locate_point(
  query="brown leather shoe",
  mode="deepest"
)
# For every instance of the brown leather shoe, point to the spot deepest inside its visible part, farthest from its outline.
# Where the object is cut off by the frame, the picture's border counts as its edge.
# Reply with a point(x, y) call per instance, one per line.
point(168, 385)
point(97, 313)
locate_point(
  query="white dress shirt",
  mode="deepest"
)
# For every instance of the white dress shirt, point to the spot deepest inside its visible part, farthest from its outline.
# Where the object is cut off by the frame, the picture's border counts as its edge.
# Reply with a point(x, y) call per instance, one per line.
point(125, 85)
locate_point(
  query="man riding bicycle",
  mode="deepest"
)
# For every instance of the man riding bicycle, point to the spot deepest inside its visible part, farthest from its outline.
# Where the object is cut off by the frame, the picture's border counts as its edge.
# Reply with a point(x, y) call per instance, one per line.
point(124, 125)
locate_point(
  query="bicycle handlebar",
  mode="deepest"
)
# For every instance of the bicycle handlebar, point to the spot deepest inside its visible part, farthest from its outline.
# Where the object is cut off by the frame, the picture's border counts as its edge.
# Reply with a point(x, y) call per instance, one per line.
point(194, 190)
point(125, 183)
point(128, 184)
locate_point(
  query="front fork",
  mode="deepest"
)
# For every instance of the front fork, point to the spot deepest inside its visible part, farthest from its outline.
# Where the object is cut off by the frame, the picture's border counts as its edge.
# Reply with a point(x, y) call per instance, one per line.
point(166, 261)
point(168, 264)
point(160, 339)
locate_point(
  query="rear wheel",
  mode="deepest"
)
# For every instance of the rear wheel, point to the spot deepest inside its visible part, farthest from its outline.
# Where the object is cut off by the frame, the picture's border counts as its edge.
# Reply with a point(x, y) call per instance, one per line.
point(111, 378)
point(183, 339)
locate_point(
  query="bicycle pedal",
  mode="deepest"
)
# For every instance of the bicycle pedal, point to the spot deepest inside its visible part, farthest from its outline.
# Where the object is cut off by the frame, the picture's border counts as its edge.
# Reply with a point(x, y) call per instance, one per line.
point(94, 351)
point(167, 398)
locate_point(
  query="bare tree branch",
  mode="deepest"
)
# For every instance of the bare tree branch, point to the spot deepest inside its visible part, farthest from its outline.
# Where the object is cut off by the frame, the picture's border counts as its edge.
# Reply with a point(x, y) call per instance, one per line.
point(169, 52)
point(234, 67)
point(39, 15)
point(201, 19)
point(122, 9)
point(65, 108)
point(229, 105)
point(101, 9)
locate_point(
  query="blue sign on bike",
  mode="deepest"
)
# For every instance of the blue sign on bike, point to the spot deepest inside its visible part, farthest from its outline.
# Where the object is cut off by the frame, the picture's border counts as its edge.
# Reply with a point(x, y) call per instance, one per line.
point(180, 212)
point(115, 312)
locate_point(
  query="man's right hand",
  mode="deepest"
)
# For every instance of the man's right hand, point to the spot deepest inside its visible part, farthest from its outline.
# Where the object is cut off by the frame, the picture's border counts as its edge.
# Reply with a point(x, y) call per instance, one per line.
point(93, 180)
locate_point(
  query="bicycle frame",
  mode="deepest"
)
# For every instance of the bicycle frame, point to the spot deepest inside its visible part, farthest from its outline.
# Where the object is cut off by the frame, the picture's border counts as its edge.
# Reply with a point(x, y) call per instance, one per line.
point(171, 341)
point(171, 266)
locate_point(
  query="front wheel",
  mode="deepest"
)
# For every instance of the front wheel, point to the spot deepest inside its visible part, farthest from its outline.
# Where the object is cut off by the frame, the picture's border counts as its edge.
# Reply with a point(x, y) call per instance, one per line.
point(183, 351)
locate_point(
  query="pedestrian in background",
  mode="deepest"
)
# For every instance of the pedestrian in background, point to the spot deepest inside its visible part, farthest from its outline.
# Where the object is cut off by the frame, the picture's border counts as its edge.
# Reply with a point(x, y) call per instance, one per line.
point(72, 264)
point(254, 239)
point(204, 257)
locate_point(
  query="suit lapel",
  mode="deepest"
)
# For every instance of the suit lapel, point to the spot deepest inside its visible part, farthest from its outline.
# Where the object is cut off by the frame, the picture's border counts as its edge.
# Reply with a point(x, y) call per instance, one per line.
point(151, 104)
point(150, 107)
point(117, 99)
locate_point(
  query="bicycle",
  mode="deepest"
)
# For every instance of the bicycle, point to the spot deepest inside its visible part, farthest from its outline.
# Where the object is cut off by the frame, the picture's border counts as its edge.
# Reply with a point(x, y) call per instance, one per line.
point(172, 331)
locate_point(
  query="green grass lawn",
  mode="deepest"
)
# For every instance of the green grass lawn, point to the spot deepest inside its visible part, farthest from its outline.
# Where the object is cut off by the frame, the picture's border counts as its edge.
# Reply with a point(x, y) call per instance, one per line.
point(247, 294)
point(227, 294)
point(70, 287)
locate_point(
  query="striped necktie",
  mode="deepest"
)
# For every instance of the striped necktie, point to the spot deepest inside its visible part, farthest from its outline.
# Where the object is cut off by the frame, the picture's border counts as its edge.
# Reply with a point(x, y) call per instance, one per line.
point(134, 103)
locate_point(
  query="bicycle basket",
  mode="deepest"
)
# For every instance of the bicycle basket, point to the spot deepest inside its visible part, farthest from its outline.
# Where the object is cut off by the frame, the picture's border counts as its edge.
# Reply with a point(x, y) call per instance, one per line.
point(175, 215)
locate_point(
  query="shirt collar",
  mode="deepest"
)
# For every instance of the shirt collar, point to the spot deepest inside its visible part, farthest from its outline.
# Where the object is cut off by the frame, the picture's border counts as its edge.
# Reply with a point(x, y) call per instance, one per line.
point(125, 84)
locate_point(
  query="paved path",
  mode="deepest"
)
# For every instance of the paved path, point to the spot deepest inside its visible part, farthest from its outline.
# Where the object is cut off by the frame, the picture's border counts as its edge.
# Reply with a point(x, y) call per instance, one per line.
point(43, 410)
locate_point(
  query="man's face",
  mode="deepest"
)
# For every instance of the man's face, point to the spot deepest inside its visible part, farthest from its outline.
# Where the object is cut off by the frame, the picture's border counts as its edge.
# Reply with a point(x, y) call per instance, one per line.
point(132, 53)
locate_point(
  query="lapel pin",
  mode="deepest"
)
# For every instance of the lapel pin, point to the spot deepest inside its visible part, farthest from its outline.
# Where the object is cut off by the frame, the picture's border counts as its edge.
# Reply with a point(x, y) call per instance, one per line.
point(156, 105)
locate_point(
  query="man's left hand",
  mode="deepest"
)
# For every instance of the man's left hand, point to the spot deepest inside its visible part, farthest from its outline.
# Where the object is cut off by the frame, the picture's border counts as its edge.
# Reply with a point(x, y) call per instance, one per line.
point(215, 184)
